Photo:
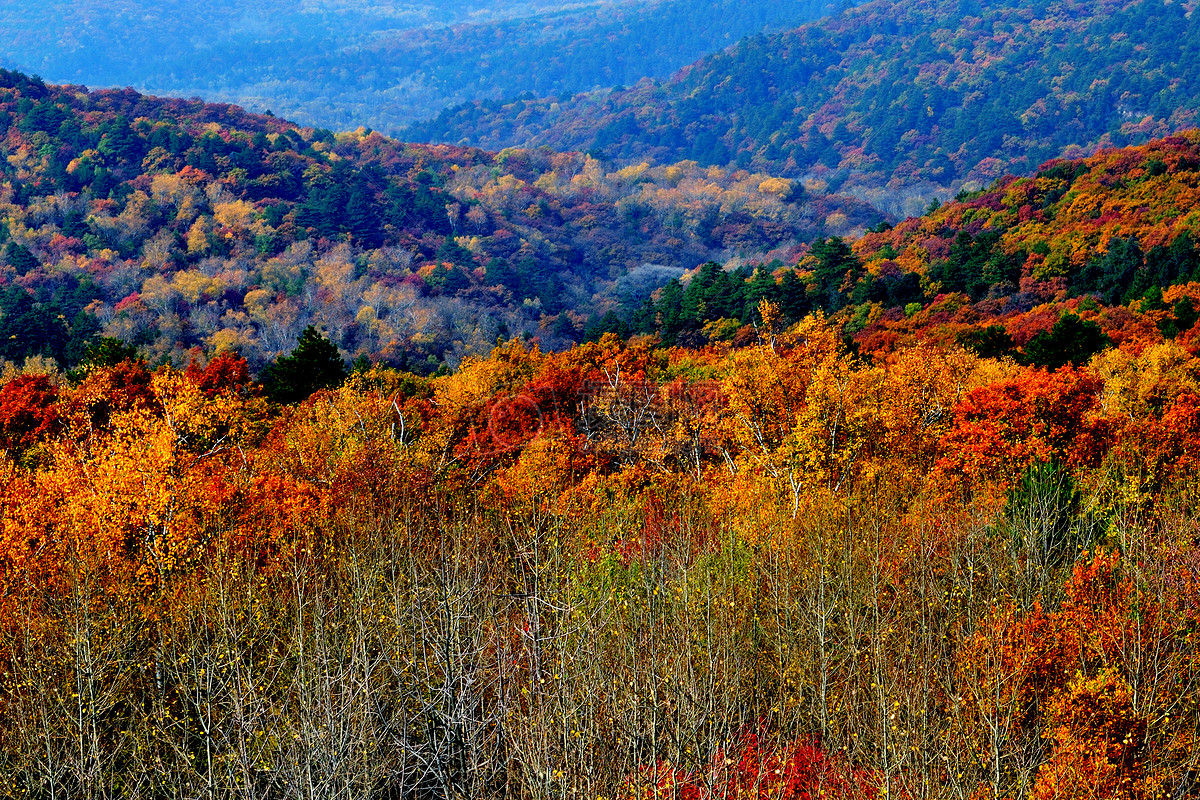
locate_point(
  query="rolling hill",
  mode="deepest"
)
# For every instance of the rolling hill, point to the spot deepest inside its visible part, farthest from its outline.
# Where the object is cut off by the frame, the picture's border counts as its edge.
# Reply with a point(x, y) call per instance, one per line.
point(895, 102)
point(660, 471)
point(1046, 269)
point(172, 225)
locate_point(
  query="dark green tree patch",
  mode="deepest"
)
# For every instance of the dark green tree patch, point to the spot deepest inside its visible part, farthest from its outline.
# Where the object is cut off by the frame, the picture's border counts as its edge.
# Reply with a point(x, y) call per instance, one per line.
point(108, 352)
point(992, 341)
point(314, 365)
point(1072, 340)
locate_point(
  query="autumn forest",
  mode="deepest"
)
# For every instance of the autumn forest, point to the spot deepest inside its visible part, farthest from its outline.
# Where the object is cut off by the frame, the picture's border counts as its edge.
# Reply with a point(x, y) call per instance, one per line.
point(671, 462)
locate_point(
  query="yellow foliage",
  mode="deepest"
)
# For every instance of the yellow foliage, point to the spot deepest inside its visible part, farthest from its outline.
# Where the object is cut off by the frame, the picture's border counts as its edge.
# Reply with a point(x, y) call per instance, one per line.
point(780, 187)
point(229, 339)
point(235, 215)
point(633, 171)
point(1135, 386)
point(197, 237)
point(194, 285)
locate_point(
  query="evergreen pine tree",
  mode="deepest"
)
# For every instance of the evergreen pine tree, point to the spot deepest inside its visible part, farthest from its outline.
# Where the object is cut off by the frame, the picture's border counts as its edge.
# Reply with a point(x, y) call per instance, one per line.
point(315, 364)
point(1072, 340)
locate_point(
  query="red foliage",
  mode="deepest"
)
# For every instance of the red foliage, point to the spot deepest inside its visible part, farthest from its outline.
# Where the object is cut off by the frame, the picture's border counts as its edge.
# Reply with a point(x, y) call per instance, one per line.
point(758, 770)
point(557, 389)
point(121, 388)
point(1037, 416)
point(28, 412)
point(506, 423)
point(1165, 447)
point(227, 373)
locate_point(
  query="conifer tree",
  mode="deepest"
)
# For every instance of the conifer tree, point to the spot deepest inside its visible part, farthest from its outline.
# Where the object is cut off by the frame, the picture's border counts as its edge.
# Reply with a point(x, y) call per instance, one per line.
point(315, 364)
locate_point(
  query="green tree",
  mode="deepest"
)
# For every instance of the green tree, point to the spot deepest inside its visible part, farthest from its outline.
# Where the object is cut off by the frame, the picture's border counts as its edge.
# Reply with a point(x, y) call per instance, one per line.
point(793, 296)
point(990, 342)
point(835, 261)
point(28, 328)
point(315, 364)
point(20, 259)
point(1072, 340)
point(108, 352)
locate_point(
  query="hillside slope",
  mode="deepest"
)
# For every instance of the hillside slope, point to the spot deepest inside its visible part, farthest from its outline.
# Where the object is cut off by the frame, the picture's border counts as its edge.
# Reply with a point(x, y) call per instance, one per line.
point(897, 102)
point(1114, 238)
point(801, 573)
point(1048, 269)
point(174, 224)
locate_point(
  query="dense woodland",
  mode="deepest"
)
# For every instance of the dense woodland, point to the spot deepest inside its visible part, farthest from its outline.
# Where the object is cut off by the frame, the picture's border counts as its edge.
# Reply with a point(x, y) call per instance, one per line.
point(1047, 269)
point(383, 64)
point(621, 571)
point(173, 225)
point(337, 467)
point(937, 542)
point(894, 101)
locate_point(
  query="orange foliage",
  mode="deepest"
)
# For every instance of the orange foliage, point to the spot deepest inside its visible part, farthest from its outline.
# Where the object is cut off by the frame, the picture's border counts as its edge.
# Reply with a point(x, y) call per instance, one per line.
point(1099, 743)
point(772, 523)
point(1038, 416)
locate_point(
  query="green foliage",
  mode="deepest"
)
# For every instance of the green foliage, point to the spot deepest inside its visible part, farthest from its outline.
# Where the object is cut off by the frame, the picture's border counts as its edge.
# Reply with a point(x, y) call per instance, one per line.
point(1043, 521)
point(975, 264)
point(923, 92)
point(184, 225)
point(108, 352)
point(992, 341)
point(1111, 274)
point(1072, 340)
point(314, 365)
point(611, 322)
point(49, 325)
point(836, 265)
point(1085, 236)
point(20, 259)
point(717, 295)
point(1183, 317)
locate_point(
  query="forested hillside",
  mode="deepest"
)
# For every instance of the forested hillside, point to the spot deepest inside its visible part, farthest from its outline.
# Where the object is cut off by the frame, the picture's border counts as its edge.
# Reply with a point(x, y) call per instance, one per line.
point(893, 101)
point(1047, 269)
point(333, 466)
point(347, 64)
point(172, 225)
point(618, 571)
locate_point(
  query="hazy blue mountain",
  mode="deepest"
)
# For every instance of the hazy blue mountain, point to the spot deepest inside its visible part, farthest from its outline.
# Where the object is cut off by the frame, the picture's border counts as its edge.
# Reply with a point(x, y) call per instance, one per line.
point(347, 63)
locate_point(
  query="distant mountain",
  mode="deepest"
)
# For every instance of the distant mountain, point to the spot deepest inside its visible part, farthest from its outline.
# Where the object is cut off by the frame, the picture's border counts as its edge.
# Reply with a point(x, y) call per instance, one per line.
point(353, 63)
point(897, 102)
point(172, 225)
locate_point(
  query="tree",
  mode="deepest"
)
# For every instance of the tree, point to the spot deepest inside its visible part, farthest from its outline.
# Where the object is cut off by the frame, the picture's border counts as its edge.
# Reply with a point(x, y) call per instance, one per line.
point(28, 412)
point(20, 259)
point(834, 261)
point(315, 364)
point(108, 352)
point(793, 296)
point(1072, 340)
point(227, 372)
point(990, 342)
point(28, 328)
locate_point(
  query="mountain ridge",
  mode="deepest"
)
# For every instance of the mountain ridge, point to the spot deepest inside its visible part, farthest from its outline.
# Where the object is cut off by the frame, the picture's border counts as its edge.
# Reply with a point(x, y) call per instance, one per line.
point(896, 103)
point(379, 65)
